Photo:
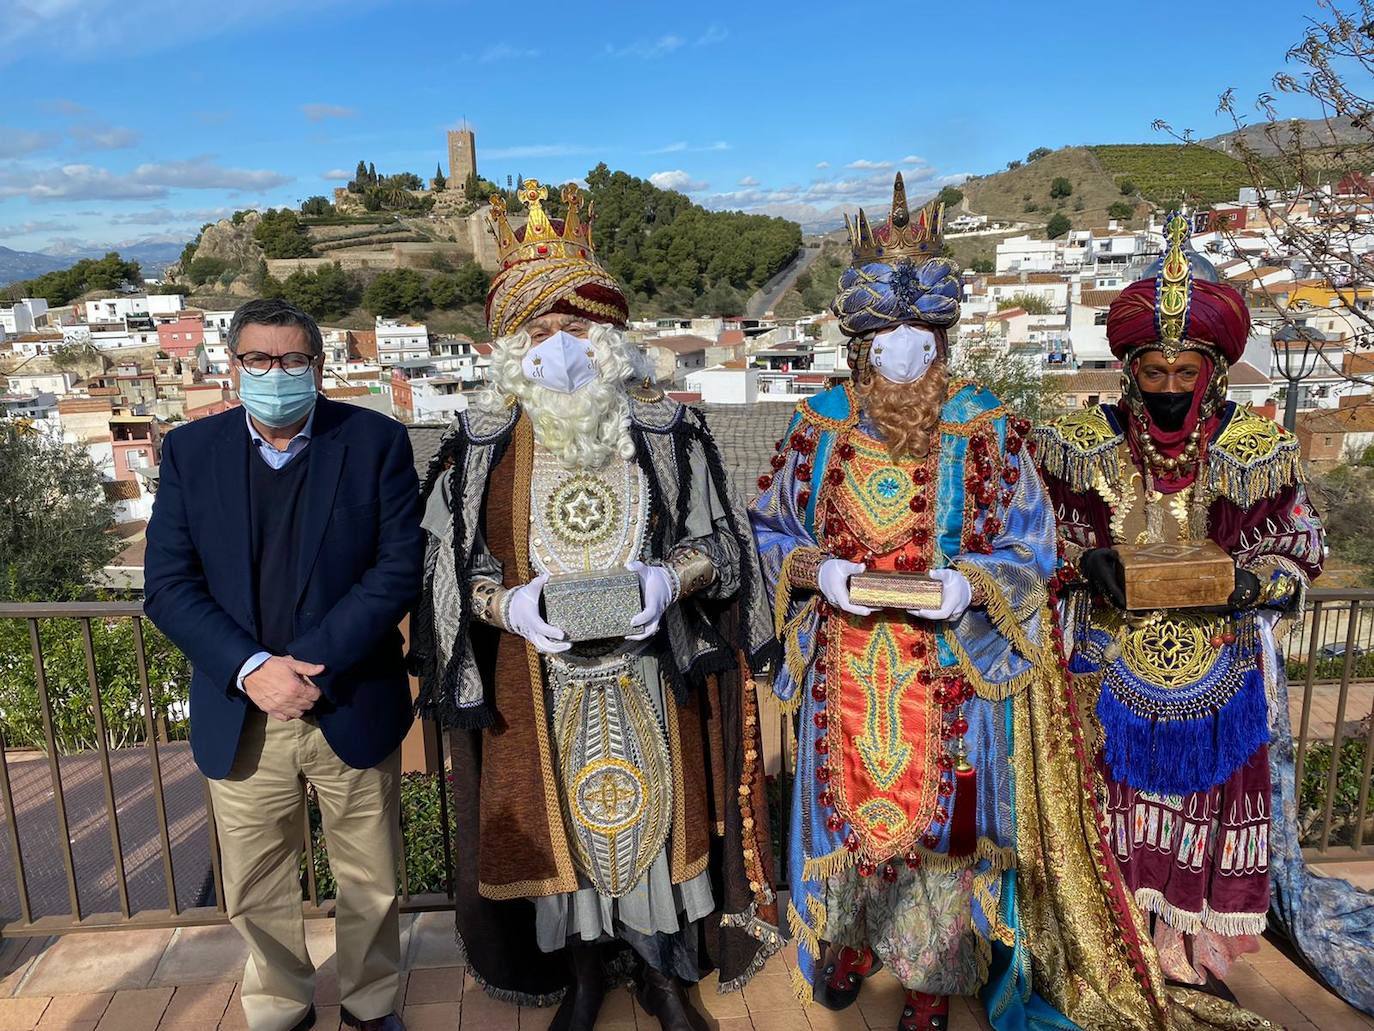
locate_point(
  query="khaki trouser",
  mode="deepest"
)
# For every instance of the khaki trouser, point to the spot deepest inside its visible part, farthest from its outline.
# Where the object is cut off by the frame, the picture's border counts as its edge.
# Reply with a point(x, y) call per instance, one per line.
point(261, 822)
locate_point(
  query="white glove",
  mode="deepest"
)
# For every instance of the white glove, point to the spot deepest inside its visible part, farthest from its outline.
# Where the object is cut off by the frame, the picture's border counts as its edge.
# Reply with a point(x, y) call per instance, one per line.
point(656, 587)
point(522, 613)
point(833, 580)
point(955, 596)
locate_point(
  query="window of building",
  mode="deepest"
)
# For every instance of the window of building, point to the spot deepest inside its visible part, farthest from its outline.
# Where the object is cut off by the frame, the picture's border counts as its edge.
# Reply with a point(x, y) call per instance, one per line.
point(1100, 319)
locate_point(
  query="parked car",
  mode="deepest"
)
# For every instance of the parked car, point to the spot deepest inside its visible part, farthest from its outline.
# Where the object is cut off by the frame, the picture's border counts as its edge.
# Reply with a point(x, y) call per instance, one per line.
point(1337, 651)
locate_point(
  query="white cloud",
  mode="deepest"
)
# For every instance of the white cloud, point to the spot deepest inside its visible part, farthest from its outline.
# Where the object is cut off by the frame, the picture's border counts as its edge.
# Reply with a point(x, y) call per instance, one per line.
point(63, 106)
point(505, 52)
point(748, 180)
point(148, 181)
point(864, 164)
point(913, 159)
point(166, 216)
point(719, 145)
point(677, 179)
point(98, 136)
point(822, 164)
point(202, 173)
point(672, 148)
point(681, 147)
point(18, 142)
point(320, 112)
point(647, 49)
point(342, 175)
point(37, 226)
point(714, 34)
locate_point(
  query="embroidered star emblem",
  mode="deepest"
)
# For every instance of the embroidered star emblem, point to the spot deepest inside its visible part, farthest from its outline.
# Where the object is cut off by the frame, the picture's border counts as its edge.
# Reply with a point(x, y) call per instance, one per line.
point(584, 511)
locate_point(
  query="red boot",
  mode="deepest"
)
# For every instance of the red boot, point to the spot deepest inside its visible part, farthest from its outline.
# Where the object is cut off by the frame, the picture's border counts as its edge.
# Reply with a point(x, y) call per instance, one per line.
point(924, 1013)
point(845, 977)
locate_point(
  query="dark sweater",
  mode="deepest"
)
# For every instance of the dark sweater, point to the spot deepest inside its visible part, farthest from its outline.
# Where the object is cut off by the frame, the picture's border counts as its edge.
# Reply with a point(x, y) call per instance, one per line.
point(275, 502)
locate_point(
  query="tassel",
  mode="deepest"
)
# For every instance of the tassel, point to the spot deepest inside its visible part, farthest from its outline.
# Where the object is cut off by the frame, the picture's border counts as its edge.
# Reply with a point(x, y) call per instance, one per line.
point(963, 831)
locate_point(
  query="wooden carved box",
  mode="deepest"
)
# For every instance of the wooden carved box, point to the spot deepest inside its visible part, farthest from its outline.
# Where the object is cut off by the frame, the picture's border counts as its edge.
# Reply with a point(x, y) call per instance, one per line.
point(886, 590)
point(1197, 574)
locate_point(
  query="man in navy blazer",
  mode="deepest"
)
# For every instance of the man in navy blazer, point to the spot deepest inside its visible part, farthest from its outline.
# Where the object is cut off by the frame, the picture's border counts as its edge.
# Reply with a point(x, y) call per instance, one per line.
point(283, 551)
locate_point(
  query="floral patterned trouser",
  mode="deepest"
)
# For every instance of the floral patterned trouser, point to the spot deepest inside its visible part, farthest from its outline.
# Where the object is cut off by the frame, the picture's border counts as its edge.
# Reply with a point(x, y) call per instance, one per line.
point(920, 925)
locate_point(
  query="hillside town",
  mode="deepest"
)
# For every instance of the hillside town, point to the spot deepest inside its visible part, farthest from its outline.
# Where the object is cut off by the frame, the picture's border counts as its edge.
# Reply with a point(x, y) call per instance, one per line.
point(115, 374)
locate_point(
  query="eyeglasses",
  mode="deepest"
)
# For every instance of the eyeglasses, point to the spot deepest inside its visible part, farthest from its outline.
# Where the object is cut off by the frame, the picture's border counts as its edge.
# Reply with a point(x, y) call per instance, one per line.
point(293, 363)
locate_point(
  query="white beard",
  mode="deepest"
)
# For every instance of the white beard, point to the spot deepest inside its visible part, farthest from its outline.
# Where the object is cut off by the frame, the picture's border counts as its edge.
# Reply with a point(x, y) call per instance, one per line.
point(585, 429)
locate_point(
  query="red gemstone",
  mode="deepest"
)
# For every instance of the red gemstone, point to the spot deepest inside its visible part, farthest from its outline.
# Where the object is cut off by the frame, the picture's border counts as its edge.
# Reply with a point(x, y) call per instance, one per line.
point(851, 841)
point(941, 815)
point(822, 746)
point(821, 720)
point(835, 476)
point(542, 248)
point(765, 482)
point(1014, 446)
point(818, 692)
point(913, 859)
point(834, 823)
point(930, 840)
point(918, 650)
point(803, 498)
point(820, 664)
point(1228, 637)
point(925, 676)
point(946, 788)
point(847, 451)
point(917, 504)
point(823, 774)
point(902, 561)
point(803, 471)
point(1297, 510)
point(919, 476)
point(1218, 640)
point(1011, 474)
point(826, 797)
point(866, 869)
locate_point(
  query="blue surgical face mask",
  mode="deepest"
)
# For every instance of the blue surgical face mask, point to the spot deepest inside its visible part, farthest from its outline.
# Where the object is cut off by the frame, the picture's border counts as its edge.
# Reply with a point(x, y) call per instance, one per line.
point(278, 399)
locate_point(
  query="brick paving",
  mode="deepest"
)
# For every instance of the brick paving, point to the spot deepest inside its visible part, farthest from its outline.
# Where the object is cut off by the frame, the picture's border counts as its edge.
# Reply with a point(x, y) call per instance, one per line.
point(119, 981)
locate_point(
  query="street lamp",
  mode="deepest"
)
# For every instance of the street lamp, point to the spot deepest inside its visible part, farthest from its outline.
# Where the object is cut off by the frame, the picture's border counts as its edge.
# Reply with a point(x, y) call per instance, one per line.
point(1298, 349)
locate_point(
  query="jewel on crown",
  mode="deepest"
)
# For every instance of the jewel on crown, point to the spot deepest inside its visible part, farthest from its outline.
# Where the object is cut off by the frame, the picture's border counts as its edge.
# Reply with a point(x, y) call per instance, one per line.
point(543, 238)
point(902, 236)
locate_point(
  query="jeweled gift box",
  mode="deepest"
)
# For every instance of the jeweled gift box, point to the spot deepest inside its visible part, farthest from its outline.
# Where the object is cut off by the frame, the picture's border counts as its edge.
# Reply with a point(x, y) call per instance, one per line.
point(1197, 574)
point(593, 606)
point(884, 590)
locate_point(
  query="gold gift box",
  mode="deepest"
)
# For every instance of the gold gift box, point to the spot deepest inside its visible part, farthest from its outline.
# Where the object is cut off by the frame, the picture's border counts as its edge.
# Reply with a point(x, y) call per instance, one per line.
point(1197, 574)
point(883, 590)
point(593, 606)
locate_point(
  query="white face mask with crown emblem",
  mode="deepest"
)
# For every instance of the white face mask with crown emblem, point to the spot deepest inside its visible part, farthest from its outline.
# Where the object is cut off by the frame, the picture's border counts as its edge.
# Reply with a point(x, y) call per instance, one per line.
point(562, 363)
point(903, 354)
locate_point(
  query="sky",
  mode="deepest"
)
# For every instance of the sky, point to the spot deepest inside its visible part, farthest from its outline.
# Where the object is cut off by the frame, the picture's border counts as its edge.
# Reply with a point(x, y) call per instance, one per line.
point(130, 120)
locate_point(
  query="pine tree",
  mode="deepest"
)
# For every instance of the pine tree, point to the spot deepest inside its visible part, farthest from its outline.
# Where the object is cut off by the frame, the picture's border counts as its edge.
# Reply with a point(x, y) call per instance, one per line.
point(371, 174)
point(440, 182)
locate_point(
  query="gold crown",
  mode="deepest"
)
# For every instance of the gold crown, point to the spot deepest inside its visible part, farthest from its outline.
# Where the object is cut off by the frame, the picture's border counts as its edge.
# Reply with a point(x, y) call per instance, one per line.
point(1174, 286)
point(541, 239)
point(901, 236)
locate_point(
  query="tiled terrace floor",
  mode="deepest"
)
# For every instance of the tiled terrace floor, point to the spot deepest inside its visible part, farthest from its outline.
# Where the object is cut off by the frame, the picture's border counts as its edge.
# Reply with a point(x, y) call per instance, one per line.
point(186, 980)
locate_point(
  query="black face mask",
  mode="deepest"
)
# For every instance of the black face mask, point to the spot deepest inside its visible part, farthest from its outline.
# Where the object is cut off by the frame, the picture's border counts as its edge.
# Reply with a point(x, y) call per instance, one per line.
point(1168, 408)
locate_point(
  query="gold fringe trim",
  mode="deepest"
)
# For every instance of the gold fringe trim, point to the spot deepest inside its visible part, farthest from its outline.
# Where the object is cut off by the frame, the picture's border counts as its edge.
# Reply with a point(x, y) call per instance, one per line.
point(1000, 613)
point(804, 934)
point(1018, 684)
point(999, 858)
point(1077, 467)
point(822, 868)
point(816, 908)
point(800, 988)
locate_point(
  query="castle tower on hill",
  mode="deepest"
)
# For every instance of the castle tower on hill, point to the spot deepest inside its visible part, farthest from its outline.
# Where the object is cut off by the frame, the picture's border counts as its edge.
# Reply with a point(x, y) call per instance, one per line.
point(462, 158)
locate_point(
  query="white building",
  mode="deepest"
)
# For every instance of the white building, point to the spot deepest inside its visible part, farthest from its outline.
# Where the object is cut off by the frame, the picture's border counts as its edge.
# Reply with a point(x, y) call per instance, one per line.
point(22, 316)
point(116, 309)
point(400, 341)
point(59, 383)
point(728, 384)
point(1051, 288)
point(1024, 254)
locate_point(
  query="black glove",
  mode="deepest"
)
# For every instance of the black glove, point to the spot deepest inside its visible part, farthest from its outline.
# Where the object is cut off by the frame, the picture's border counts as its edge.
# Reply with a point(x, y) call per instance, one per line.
point(1247, 590)
point(1105, 575)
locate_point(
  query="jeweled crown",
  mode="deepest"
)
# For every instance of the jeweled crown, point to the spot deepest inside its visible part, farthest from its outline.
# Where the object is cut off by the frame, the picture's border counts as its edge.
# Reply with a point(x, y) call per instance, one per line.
point(902, 235)
point(1174, 285)
point(542, 237)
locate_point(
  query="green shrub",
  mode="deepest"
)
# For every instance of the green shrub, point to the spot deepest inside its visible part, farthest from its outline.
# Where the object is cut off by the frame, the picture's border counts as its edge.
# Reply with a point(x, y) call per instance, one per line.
point(1312, 792)
point(64, 663)
point(422, 835)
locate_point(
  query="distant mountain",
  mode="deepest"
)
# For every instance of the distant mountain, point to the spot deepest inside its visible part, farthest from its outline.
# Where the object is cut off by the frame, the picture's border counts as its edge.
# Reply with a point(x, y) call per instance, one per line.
point(1315, 132)
point(152, 255)
point(17, 265)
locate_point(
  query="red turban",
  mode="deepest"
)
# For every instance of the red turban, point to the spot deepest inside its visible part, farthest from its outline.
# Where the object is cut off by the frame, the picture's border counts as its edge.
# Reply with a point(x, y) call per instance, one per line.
point(1216, 315)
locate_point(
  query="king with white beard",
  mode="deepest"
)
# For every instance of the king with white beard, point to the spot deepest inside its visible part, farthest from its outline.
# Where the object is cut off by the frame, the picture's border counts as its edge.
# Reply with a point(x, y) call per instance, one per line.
point(592, 608)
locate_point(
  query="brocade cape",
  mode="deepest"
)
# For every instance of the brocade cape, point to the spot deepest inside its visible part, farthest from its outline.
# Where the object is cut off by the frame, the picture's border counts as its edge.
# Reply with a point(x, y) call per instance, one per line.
point(487, 687)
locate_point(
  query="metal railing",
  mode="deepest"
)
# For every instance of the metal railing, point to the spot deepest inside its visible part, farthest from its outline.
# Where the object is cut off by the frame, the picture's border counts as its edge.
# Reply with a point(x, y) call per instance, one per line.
point(154, 807)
